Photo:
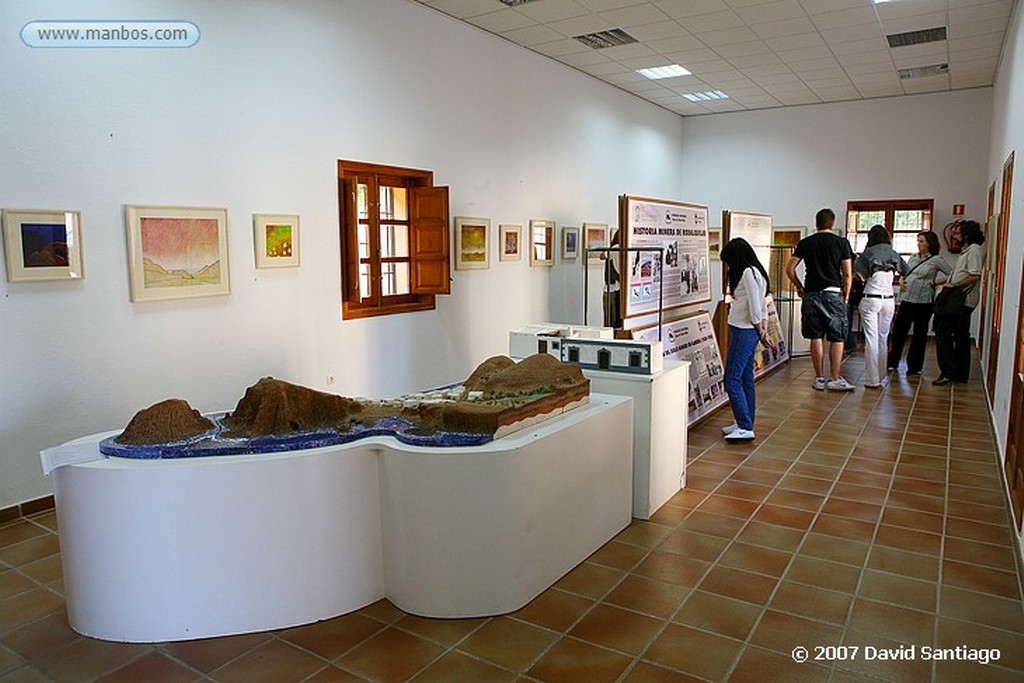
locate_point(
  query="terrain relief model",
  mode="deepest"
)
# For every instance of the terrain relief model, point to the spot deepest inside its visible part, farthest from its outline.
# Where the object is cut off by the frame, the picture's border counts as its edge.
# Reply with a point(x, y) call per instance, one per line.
point(500, 397)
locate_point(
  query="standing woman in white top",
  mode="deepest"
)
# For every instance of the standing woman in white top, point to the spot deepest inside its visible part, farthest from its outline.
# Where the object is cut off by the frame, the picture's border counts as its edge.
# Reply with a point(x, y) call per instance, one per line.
point(748, 325)
point(877, 266)
point(953, 334)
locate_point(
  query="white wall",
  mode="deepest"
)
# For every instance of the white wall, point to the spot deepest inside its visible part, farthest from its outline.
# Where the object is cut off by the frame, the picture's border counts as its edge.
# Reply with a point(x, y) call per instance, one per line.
point(253, 118)
point(1008, 136)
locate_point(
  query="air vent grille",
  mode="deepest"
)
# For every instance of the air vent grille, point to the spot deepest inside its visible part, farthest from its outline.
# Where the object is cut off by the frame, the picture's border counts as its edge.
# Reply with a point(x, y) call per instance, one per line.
point(602, 39)
point(928, 35)
point(924, 71)
point(513, 3)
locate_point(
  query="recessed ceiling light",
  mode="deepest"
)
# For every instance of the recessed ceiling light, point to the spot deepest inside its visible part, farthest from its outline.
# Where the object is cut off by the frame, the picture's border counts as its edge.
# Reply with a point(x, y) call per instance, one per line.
point(669, 71)
point(706, 96)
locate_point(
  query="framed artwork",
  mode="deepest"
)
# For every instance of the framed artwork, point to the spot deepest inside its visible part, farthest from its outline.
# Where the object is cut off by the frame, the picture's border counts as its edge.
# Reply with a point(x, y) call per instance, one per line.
point(595, 236)
point(277, 240)
point(570, 244)
point(784, 241)
point(42, 245)
point(542, 243)
point(510, 245)
point(177, 252)
point(714, 243)
point(471, 243)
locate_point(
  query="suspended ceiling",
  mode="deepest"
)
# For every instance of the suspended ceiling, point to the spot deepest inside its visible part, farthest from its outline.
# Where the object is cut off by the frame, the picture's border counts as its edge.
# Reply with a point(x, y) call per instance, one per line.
point(760, 54)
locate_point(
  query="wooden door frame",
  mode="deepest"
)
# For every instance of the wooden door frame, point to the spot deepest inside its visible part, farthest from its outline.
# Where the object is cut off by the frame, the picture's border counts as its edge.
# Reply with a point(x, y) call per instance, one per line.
point(1000, 276)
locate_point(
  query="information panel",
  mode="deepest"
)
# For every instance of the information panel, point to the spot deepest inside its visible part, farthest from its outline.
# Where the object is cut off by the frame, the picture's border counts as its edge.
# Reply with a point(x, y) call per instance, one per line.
point(693, 339)
point(681, 231)
point(755, 228)
point(766, 358)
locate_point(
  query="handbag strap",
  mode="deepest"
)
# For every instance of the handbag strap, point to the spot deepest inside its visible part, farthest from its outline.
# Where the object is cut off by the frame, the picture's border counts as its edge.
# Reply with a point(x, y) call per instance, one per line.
point(916, 265)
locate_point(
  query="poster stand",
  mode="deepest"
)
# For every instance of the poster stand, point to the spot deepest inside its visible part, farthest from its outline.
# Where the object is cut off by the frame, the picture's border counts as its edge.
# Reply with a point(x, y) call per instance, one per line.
point(660, 251)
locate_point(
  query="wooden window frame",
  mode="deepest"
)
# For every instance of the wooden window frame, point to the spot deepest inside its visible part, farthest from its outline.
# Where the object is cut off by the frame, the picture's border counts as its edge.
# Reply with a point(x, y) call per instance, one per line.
point(890, 207)
point(429, 271)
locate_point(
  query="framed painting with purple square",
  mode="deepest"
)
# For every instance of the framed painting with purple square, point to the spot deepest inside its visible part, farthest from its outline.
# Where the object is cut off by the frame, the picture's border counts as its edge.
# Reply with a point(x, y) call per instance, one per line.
point(42, 245)
point(276, 240)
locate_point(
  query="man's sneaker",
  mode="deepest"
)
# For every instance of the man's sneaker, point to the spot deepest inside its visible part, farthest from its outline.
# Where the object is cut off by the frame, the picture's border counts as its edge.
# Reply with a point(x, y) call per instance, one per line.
point(819, 383)
point(839, 384)
point(739, 436)
point(730, 429)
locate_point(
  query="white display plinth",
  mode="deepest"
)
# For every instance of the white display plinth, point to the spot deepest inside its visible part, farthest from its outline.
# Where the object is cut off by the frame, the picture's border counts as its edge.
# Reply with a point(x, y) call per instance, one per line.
point(659, 421)
point(160, 550)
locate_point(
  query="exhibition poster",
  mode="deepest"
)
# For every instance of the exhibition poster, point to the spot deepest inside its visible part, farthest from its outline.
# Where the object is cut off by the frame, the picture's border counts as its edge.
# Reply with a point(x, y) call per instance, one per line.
point(766, 358)
point(680, 231)
point(693, 339)
point(755, 228)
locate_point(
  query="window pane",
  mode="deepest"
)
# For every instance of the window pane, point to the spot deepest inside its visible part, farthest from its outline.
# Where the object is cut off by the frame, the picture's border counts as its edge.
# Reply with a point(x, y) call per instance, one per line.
point(394, 240)
point(909, 220)
point(859, 242)
point(865, 219)
point(364, 241)
point(394, 278)
point(393, 203)
point(364, 281)
point(905, 242)
point(362, 202)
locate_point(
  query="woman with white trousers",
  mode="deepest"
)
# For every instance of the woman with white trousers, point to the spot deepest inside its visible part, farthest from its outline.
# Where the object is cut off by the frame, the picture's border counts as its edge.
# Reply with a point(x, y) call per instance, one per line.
point(877, 266)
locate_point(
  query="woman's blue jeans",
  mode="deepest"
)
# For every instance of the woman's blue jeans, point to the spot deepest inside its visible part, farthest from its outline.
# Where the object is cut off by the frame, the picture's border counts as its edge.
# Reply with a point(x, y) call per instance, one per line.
point(739, 375)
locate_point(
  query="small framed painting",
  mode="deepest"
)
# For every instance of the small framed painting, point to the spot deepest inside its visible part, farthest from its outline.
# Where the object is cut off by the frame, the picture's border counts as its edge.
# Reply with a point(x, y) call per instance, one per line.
point(595, 236)
point(276, 238)
point(509, 245)
point(471, 243)
point(714, 243)
point(542, 243)
point(570, 244)
point(42, 245)
point(177, 252)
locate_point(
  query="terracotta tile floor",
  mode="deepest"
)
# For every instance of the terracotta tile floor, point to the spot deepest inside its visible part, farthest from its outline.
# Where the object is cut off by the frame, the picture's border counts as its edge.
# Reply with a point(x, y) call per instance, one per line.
point(868, 520)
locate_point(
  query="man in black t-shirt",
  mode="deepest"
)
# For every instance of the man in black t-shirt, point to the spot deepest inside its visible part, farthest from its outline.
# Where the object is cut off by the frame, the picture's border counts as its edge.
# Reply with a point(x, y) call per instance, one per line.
point(828, 270)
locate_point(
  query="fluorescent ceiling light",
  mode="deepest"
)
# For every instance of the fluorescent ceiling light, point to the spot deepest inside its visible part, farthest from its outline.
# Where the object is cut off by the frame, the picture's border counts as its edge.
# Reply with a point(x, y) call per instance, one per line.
point(669, 71)
point(706, 96)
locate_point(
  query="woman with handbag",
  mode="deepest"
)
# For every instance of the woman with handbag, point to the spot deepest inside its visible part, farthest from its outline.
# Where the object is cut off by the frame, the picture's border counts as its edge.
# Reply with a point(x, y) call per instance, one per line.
point(917, 292)
point(877, 267)
point(953, 329)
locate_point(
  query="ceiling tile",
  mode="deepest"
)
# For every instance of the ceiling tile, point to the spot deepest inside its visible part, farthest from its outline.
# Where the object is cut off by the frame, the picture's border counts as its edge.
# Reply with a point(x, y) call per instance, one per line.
point(915, 23)
point(560, 48)
point(776, 80)
point(603, 69)
point(846, 17)
point(532, 35)
point(578, 26)
point(770, 71)
point(635, 16)
point(772, 11)
point(678, 44)
point(735, 50)
point(658, 31)
point(604, 5)
point(928, 84)
point(501, 21)
point(748, 63)
point(855, 46)
point(805, 53)
point(790, 27)
point(824, 6)
point(696, 59)
point(583, 58)
point(910, 8)
point(627, 51)
point(846, 34)
point(989, 10)
point(728, 36)
point(689, 8)
point(715, 21)
point(973, 28)
point(464, 8)
point(545, 11)
point(797, 42)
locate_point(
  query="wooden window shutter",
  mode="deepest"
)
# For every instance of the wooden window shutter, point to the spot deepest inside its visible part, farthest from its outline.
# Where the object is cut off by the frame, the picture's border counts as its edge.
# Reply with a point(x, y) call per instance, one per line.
point(428, 228)
point(350, 238)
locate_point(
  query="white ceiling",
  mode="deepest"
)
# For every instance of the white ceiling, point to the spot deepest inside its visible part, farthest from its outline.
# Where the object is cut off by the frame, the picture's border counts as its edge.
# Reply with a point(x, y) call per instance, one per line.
point(761, 53)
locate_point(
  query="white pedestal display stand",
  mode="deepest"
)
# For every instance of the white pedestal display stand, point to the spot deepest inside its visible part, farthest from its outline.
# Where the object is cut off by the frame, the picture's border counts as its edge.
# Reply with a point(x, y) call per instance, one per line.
point(160, 550)
point(659, 423)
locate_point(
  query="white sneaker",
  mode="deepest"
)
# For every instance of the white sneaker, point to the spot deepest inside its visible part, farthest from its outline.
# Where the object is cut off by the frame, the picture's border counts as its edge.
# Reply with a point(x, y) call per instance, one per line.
point(819, 383)
point(839, 385)
point(730, 429)
point(739, 436)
